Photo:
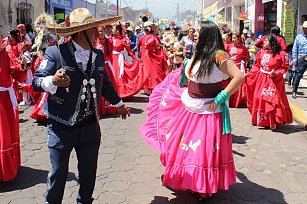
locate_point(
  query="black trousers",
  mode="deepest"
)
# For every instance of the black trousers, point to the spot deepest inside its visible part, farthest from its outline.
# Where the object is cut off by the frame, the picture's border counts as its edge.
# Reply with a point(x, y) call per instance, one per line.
point(62, 139)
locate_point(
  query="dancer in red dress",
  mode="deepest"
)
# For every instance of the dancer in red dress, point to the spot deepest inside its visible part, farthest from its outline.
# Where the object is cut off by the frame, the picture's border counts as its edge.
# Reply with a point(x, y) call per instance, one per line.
point(266, 96)
point(9, 118)
point(239, 54)
point(228, 40)
point(39, 98)
point(12, 45)
point(129, 77)
point(105, 46)
point(153, 59)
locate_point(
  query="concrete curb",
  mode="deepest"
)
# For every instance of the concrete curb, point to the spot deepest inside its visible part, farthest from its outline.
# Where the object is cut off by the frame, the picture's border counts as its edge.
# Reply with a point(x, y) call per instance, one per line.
point(299, 115)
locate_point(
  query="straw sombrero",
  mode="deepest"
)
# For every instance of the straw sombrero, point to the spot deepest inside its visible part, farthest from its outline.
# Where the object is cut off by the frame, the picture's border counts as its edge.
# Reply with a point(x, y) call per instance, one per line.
point(80, 19)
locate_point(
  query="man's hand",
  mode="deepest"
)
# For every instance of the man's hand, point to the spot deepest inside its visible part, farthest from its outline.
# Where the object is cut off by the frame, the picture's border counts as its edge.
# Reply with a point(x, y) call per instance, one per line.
point(123, 111)
point(60, 78)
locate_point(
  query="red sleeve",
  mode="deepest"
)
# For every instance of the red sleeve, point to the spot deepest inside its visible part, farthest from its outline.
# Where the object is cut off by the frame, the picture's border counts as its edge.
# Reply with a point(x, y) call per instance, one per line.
point(259, 42)
point(16, 71)
point(282, 43)
point(284, 64)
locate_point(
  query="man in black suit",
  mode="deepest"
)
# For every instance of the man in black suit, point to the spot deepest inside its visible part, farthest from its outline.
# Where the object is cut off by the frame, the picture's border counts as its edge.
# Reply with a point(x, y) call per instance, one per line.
point(75, 78)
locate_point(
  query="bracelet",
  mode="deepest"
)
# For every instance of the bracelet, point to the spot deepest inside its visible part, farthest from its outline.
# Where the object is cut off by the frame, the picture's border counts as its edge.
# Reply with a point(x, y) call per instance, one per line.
point(221, 97)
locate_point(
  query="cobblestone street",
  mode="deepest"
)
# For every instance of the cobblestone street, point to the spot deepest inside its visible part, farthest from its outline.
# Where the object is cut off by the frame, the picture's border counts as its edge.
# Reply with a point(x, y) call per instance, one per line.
point(271, 166)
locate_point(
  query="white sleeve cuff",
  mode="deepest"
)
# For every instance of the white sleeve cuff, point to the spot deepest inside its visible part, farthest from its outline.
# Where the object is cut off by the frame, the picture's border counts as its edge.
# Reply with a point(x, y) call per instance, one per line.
point(119, 104)
point(48, 86)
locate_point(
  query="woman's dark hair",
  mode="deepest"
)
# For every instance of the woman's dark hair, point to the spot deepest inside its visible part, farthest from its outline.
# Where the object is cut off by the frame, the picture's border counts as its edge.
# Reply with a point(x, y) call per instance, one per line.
point(15, 33)
point(209, 41)
point(119, 28)
point(228, 34)
point(191, 29)
point(275, 30)
point(29, 28)
point(275, 47)
point(238, 36)
point(180, 36)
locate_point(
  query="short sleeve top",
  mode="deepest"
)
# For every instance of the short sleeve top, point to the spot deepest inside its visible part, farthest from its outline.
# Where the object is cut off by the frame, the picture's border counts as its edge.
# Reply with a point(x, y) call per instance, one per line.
point(215, 76)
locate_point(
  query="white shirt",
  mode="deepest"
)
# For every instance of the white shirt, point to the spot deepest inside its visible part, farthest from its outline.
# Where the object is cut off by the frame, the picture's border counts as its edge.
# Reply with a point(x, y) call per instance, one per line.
point(201, 105)
point(82, 56)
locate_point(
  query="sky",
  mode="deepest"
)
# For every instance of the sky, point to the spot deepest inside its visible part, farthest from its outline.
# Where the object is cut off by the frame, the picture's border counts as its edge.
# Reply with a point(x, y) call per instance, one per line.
point(160, 8)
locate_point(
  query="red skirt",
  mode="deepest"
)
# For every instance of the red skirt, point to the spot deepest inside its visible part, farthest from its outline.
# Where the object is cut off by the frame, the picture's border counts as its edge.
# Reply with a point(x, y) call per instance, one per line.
point(267, 99)
point(133, 79)
point(37, 113)
point(9, 138)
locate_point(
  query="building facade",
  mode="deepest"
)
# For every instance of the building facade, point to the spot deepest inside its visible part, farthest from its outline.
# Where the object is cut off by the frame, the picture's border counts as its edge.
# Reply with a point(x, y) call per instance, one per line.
point(259, 16)
point(14, 12)
point(62, 8)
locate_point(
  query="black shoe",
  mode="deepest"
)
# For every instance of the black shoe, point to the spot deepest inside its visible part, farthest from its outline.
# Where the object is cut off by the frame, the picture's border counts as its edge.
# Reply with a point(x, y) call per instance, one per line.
point(294, 95)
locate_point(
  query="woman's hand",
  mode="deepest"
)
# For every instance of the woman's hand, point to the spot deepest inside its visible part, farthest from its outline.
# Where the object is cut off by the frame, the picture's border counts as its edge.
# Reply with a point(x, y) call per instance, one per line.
point(212, 105)
point(273, 74)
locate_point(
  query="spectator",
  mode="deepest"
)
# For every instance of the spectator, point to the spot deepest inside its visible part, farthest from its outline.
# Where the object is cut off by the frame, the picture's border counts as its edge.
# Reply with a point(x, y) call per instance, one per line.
point(24, 35)
point(280, 39)
point(299, 54)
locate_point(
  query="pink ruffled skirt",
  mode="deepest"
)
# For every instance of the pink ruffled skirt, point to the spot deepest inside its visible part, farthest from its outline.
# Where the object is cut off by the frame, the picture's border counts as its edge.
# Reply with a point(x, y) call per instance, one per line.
point(195, 154)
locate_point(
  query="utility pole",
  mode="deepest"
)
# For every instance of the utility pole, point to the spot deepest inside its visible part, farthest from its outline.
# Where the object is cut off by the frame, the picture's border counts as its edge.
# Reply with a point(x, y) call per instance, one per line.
point(146, 6)
point(178, 13)
point(117, 9)
point(107, 8)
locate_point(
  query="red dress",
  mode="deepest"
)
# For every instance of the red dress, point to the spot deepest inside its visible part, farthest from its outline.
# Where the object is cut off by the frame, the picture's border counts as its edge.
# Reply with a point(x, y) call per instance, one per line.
point(129, 77)
point(239, 54)
point(39, 99)
point(9, 118)
point(14, 50)
point(153, 61)
point(105, 107)
point(266, 97)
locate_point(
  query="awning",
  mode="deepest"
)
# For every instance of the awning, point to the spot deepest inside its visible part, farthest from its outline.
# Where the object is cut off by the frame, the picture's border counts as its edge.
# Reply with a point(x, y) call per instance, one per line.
point(243, 16)
point(266, 1)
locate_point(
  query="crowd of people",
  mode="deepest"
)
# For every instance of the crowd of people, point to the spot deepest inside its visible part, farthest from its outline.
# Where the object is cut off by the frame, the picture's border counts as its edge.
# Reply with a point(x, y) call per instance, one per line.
point(76, 72)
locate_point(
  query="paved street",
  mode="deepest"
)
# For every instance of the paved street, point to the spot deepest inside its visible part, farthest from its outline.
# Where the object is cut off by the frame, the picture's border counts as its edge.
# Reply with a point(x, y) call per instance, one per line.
point(271, 166)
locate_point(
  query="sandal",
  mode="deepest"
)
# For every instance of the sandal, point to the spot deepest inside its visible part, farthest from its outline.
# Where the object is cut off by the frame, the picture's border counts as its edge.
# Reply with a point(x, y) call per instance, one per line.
point(204, 196)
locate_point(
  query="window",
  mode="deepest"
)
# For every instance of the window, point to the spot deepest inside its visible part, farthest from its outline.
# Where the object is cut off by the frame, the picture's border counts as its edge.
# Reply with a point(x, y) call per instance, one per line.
point(25, 13)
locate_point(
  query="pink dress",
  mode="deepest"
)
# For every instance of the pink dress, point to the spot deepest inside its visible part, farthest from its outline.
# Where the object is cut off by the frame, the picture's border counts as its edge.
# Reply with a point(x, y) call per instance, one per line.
point(195, 154)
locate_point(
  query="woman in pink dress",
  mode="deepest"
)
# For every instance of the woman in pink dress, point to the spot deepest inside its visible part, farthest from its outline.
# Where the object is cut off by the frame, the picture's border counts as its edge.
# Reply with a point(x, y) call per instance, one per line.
point(9, 118)
point(129, 77)
point(190, 126)
point(266, 96)
point(105, 46)
point(239, 54)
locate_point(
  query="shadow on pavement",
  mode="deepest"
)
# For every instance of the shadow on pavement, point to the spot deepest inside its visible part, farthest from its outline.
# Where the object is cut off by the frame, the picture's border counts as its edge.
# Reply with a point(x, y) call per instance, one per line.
point(137, 99)
point(28, 177)
point(239, 139)
point(244, 192)
point(136, 110)
point(289, 129)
